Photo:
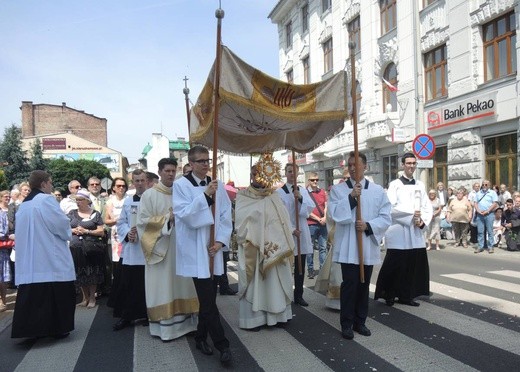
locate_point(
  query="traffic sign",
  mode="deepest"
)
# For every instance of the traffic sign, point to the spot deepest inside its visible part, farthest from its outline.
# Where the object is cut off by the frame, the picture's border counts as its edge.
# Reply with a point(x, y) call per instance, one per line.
point(423, 146)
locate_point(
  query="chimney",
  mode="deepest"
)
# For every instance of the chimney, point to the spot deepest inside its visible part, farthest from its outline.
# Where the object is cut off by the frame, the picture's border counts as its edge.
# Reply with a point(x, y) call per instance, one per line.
point(27, 119)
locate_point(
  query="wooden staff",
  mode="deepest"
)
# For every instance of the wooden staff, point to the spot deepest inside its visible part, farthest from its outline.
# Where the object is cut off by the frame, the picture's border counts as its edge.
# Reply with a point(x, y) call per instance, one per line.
point(186, 92)
point(296, 212)
point(219, 14)
point(359, 234)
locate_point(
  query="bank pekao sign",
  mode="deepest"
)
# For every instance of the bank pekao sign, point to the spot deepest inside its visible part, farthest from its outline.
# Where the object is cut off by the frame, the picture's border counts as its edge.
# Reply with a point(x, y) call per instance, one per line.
point(472, 110)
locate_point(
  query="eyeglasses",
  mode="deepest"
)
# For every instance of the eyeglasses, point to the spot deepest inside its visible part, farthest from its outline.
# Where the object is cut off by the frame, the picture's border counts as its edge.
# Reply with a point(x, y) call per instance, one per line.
point(76, 187)
point(120, 186)
point(94, 184)
point(202, 161)
point(314, 179)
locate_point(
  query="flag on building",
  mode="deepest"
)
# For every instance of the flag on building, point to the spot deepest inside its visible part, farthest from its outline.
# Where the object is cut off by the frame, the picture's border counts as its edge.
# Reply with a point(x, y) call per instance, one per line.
point(392, 88)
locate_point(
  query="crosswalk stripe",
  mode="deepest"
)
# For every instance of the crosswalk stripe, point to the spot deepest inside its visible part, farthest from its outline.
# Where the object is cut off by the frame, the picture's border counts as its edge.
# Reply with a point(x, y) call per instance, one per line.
point(273, 348)
point(509, 273)
point(150, 353)
point(464, 295)
point(49, 355)
point(488, 282)
point(388, 343)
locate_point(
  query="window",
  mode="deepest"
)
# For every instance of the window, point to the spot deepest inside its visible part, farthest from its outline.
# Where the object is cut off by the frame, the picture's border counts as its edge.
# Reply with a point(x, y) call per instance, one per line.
point(306, 70)
point(428, 2)
point(436, 73)
point(501, 163)
point(439, 172)
point(499, 47)
point(390, 169)
point(390, 88)
point(305, 18)
point(388, 15)
point(288, 35)
point(290, 76)
point(325, 5)
point(354, 33)
point(327, 56)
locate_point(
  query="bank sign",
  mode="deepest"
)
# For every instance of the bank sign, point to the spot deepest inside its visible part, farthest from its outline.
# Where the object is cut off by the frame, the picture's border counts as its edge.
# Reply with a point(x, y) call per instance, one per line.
point(473, 110)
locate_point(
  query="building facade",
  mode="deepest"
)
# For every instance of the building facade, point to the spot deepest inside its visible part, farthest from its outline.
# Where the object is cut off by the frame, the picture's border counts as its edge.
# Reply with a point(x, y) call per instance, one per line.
point(43, 119)
point(446, 68)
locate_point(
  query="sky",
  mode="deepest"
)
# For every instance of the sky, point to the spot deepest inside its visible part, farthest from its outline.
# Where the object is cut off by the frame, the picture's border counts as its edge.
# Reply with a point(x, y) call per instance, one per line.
point(124, 60)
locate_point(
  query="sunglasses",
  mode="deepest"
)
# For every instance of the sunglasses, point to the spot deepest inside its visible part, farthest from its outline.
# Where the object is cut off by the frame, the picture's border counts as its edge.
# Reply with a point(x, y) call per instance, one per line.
point(314, 179)
point(120, 186)
point(202, 161)
point(76, 187)
point(94, 184)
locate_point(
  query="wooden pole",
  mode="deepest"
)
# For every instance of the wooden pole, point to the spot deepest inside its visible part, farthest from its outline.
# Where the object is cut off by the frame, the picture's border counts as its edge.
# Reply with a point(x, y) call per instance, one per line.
point(219, 13)
point(296, 212)
point(186, 92)
point(353, 85)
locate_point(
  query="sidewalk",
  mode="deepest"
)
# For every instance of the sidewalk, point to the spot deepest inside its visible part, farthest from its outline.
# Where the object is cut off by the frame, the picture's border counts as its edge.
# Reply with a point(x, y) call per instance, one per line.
point(6, 317)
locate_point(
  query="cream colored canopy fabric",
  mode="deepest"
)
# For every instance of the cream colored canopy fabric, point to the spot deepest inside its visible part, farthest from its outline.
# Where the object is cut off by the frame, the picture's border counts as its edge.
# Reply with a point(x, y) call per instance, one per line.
point(260, 114)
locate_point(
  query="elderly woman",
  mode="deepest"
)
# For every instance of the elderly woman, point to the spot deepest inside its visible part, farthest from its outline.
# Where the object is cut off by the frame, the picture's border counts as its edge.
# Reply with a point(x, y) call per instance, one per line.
point(87, 247)
point(434, 228)
point(459, 215)
point(6, 239)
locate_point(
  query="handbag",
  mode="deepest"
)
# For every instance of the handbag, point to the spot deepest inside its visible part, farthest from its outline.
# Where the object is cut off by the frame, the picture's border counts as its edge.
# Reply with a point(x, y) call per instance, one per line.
point(6, 244)
point(92, 245)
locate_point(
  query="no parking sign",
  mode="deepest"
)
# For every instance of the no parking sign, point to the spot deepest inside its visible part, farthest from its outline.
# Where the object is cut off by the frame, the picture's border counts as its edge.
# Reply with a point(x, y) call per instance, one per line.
point(423, 146)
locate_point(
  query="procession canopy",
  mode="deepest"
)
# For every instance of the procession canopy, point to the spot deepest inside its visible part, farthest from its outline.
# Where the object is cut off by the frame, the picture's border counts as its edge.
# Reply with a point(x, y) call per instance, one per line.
point(259, 114)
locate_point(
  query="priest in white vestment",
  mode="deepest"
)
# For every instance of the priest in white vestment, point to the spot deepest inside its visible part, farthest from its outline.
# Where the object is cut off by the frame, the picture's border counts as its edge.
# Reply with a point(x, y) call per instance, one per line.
point(374, 207)
point(305, 206)
point(171, 299)
point(405, 272)
point(265, 248)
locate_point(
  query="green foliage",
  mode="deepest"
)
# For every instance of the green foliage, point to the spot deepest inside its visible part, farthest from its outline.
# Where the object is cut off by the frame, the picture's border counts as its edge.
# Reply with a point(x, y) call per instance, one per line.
point(63, 171)
point(37, 162)
point(3, 181)
point(13, 157)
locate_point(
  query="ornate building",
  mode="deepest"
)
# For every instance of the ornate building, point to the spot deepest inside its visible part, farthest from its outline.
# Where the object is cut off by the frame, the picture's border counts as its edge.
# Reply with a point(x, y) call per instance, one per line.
point(447, 68)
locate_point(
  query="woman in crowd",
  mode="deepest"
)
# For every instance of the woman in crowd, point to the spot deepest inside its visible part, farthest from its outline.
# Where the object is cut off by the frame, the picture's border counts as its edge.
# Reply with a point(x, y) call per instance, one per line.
point(87, 247)
point(434, 228)
point(113, 208)
point(25, 189)
point(459, 215)
point(6, 239)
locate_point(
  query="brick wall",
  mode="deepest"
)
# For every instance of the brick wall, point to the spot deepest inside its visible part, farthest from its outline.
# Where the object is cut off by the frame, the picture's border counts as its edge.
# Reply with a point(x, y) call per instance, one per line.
point(42, 119)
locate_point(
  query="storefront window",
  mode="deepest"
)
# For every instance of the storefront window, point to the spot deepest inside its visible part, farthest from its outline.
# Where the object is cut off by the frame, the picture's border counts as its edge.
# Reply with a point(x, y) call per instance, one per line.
point(501, 163)
point(439, 172)
point(390, 169)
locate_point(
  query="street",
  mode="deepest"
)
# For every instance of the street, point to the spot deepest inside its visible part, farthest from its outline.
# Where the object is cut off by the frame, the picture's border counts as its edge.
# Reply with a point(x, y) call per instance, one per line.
point(469, 323)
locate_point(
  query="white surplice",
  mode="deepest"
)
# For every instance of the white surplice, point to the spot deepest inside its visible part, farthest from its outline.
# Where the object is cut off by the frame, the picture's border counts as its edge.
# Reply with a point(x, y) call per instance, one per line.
point(193, 220)
point(171, 300)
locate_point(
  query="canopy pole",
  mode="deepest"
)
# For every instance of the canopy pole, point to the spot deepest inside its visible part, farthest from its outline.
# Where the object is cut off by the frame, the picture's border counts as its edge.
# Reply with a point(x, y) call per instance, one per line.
point(353, 85)
point(219, 14)
point(186, 92)
point(296, 212)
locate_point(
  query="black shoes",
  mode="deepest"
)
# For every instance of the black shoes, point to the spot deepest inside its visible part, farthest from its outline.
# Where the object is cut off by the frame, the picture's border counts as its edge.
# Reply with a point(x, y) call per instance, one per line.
point(347, 333)
point(311, 274)
point(362, 330)
point(390, 302)
point(225, 356)
point(205, 348)
point(409, 302)
point(121, 323)
point(228, 292)
point(301, 302)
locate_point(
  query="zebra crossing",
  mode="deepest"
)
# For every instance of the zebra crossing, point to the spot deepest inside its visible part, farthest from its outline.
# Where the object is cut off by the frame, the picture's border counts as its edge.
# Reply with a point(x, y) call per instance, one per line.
point(461, 327)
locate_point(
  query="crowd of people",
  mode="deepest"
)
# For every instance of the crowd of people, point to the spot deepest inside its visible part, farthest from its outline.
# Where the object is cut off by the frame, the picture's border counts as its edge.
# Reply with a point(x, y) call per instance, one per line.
point(160, 248)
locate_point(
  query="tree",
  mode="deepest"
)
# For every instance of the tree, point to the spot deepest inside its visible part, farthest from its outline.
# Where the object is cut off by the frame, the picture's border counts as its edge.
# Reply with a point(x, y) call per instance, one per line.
point(37, 162)
point(3, 181)
point(63, 171)
point(13, 157)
